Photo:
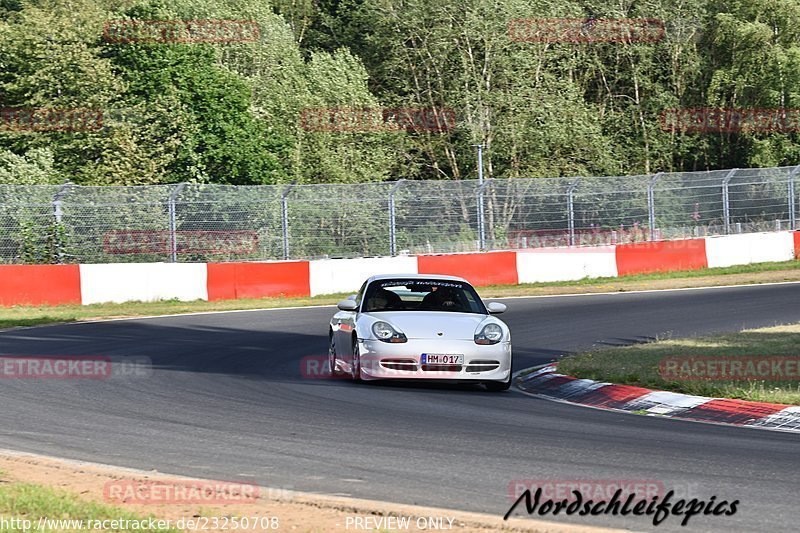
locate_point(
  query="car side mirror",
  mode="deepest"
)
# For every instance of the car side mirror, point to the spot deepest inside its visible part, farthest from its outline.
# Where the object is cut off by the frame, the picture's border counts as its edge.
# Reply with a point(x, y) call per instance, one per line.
point(348, 305)
point(495, 308)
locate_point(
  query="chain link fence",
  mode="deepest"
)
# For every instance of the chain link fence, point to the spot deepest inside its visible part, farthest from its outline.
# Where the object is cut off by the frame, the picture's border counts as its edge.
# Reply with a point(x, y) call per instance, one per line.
point(199, 222)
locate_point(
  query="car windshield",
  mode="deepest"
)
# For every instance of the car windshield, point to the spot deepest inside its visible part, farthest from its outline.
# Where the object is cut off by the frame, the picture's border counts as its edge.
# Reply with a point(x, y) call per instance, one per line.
point(422, 295)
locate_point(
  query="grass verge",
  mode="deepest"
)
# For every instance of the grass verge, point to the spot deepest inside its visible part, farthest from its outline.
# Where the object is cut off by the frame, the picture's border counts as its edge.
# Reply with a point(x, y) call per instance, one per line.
point(27, 501)
point(645, 365)
point(738, 275)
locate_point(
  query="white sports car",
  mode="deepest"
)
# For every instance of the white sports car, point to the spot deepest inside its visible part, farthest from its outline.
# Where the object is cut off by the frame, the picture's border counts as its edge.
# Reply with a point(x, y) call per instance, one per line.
point(419, 326)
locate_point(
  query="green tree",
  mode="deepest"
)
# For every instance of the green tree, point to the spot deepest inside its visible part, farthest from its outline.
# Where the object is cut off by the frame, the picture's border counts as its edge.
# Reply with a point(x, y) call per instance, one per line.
point(754, 62)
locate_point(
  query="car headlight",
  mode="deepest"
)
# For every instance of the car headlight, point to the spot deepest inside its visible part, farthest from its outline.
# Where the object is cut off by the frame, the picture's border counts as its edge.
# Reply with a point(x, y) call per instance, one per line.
point(490, 334)
point(384, 331)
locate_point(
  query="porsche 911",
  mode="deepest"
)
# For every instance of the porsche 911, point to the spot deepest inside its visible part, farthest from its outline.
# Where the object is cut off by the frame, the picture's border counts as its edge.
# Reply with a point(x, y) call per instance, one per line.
point(420, 327)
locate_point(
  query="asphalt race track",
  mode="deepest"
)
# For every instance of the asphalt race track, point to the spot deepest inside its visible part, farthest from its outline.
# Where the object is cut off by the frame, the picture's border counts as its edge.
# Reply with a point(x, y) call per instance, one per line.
point(226, 400)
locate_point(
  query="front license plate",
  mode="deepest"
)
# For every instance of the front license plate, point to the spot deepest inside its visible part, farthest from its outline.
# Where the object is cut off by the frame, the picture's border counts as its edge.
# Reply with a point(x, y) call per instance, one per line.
point(442, 359)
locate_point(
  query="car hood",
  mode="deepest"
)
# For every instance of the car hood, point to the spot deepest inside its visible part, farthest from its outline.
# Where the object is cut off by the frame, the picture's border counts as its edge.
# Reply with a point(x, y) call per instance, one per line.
point(429, 324)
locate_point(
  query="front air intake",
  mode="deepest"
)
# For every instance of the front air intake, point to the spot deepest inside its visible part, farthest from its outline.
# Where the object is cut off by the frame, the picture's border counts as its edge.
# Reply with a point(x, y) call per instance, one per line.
point(442, 368)
point(408, 365)
point(483, 365)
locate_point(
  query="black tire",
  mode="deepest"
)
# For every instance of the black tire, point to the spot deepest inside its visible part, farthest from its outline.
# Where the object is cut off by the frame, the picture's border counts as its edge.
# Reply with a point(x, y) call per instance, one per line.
point(355, 373)
point(332, 355)
point(498, 386)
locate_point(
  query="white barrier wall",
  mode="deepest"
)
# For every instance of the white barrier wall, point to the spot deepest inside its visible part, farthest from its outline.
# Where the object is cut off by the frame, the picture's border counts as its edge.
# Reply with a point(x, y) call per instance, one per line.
point(729, 250)
point(147, 282)
point(329, 276)
point(564, 264)
point(121, 282)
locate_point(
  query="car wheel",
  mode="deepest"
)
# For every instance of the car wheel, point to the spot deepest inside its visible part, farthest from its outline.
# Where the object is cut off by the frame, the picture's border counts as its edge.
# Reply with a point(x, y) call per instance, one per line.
point(356, 364)
point(498, 386)
point(332, 356)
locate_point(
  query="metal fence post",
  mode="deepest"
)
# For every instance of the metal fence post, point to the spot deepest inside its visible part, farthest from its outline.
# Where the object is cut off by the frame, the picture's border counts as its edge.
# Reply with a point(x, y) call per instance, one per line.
point(58, 216)
point(726, 201)
point(651, 204)
point(392, 219)
point(173, 241)
point(571, 210)
point(481, 186)
point(285, 217)
point(481, 215)
point(792, 205)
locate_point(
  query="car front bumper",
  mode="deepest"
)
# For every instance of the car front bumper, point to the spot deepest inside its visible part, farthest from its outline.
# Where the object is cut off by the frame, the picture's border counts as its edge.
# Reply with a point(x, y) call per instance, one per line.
point(382, 360)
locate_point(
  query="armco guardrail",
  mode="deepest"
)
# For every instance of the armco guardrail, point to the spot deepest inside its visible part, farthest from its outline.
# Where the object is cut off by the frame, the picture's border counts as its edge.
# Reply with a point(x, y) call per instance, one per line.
point(216, 223)
point(95, 283)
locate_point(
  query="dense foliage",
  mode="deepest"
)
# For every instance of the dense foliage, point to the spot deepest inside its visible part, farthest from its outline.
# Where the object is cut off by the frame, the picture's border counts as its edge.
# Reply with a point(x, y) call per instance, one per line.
point(232, 113)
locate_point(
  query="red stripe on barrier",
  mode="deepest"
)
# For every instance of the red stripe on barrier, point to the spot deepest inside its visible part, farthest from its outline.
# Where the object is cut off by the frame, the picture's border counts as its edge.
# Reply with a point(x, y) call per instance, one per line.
point(797, 244)
point(661, 256)
point(227, 281)
point(731, 411)
point(40, 284)
point(490, 268)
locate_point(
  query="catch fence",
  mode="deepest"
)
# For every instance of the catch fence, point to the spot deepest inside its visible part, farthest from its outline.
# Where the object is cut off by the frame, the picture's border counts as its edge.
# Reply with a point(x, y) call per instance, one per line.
point(204, 222)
